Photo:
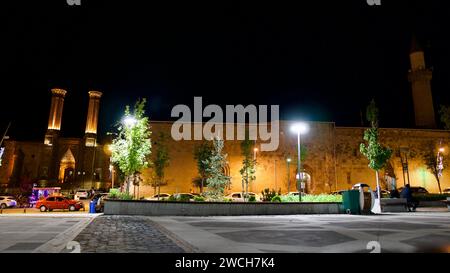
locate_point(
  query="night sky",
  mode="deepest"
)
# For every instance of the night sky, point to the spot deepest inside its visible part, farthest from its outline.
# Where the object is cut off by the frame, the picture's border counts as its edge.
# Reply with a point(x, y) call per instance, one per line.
point(320, 61)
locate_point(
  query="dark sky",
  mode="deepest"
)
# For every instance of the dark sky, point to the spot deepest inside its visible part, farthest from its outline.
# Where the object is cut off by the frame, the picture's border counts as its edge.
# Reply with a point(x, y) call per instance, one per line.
point(319, 60)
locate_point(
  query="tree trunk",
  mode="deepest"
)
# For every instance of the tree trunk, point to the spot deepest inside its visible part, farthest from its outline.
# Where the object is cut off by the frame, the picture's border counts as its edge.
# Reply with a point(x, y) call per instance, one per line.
point(377, 205)
point(201, 185)
point(159, 188)
point(128, 184)
point(439, 185)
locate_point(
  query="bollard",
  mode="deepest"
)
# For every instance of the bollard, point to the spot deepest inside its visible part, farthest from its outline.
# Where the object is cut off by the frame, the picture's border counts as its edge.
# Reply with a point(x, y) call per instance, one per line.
point(25, 210)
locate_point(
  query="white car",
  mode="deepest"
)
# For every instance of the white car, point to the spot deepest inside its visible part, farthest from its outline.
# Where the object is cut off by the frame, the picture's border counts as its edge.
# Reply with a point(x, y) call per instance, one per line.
point(162, 197)
point(7, 202)
point(446, 191)
point(239, 197)
point(82, 194)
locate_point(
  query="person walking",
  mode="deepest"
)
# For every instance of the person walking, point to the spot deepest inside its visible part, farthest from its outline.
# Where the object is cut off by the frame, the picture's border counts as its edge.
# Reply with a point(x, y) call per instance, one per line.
point(410, 202)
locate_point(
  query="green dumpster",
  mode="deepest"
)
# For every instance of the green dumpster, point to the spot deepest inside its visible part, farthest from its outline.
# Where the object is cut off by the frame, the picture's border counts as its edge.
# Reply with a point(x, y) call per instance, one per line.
point(350, 201)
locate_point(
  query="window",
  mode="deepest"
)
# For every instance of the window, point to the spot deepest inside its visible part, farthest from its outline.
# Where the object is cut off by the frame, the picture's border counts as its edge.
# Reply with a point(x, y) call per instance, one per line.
point(59, 199)
point(51, 199)
point(236, 195)
point(1, 198)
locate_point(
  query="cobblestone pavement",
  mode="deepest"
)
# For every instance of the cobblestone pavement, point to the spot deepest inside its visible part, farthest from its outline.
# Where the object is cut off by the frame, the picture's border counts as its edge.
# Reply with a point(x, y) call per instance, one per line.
point(128, 234)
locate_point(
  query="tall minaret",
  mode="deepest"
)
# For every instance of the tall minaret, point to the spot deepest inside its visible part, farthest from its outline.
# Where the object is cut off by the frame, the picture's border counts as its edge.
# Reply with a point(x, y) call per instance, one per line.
point(92, 118)
point(420, 77)
point(55, 117)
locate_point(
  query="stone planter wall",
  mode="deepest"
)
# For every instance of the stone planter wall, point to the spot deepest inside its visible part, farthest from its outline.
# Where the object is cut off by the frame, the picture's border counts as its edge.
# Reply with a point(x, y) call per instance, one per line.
point(155, 208)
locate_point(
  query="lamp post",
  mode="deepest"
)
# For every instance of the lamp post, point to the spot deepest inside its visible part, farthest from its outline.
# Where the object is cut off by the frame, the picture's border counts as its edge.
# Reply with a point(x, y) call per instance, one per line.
point(288, 161)
point(300, 129)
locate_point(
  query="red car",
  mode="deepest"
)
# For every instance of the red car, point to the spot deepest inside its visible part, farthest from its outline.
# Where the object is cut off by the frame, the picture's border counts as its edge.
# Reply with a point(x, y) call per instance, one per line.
point(58, 202)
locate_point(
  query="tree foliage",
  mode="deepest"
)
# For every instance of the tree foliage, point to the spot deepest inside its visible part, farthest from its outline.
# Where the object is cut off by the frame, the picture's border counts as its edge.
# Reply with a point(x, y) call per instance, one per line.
point(161, 159)
point(202, 152)
point(132, 146)
point(248, 169)
point(435, 163)
point(217, 180)
point(445, 116)
point(377, 155)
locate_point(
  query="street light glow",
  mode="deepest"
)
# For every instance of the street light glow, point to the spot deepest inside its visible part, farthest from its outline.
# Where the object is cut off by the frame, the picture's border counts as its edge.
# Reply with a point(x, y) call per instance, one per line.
point(129, 121)
point(289, 160)
point(300, 128)
point(441, 150)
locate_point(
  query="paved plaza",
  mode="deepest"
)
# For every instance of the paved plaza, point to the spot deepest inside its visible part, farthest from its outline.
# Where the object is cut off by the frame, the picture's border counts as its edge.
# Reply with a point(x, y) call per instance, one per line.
point(399, 233)
point(40, 233)
point(387, 233)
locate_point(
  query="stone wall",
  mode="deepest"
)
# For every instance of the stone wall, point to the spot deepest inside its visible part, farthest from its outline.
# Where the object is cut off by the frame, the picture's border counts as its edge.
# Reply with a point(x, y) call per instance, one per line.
point(352, 166)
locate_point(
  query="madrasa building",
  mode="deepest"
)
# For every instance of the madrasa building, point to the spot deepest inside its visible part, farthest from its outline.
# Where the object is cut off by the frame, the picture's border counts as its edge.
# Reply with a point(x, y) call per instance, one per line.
point(333, 159)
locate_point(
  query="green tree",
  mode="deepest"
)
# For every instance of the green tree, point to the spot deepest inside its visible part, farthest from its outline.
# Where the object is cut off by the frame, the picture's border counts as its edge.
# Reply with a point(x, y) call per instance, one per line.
point(434, 160)
point(377, 155)
point(132, 146)
point(161, 160)
point(248, 169)
point(202, 152)
point(215, 165)
point(445, 116)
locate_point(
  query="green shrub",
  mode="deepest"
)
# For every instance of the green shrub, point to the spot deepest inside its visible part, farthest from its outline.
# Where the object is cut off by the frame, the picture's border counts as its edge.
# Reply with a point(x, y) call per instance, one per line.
point(276, 199)
point(309, 198)
point(172, 198)
point(183, 198)
point(267, 194)
point(199, 199)
point(252, 198)
point(113, 193)
point(125, 196)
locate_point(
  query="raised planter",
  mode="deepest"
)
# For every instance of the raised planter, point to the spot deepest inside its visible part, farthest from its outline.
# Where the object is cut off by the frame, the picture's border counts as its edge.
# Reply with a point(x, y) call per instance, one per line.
point(432, 204)
point(393, 205)
point(162, 208)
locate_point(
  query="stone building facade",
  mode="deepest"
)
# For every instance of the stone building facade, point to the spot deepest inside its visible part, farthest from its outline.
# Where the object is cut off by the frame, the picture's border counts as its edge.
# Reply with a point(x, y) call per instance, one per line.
point(69, 163)
point(333, 159)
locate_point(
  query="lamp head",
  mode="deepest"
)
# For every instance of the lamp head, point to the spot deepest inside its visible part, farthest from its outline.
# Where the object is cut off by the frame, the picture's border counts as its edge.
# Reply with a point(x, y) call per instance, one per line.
point(300, 128)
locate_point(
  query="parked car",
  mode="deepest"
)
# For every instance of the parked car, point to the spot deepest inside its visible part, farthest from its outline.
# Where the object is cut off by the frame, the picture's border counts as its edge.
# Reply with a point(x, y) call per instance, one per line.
point(239, 197)
point(183, 196)
point(82, 194)
point(416, 190)
point(7, 202)
point(58, 202)
point(162, 197)
point(446, 191)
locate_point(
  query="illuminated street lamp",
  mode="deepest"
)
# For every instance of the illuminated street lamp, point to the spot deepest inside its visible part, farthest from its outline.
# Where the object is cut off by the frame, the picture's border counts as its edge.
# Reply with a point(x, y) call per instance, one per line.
point(288, 161)
point(300, 128)
point(254, 153)
point(129, 121)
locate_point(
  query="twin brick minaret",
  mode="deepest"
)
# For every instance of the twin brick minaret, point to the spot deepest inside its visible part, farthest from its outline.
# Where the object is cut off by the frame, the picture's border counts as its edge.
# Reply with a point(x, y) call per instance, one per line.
point(55, 117)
